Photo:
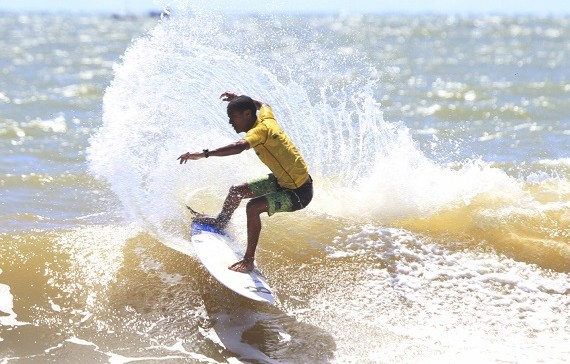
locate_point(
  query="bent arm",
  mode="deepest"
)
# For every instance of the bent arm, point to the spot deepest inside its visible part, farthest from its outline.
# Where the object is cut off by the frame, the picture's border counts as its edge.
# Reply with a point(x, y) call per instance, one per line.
point(229, 96)
point(230, 149)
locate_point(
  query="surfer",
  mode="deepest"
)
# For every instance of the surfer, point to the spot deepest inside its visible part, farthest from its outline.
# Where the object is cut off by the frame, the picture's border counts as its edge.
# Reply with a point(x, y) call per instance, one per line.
point(288, 187)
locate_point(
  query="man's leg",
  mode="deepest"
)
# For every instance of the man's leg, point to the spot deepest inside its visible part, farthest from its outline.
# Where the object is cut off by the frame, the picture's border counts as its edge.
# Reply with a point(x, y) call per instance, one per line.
point(231, 203)
point(255, 208)
point(272, 199)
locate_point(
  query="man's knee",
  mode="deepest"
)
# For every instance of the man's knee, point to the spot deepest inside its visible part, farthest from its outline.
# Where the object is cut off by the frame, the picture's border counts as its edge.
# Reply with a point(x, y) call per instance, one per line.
point(256, 206)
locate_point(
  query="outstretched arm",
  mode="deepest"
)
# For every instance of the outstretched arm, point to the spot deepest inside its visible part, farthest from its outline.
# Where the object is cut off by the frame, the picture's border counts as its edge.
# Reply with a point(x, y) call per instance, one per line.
point(229, 96)
point(230, 149)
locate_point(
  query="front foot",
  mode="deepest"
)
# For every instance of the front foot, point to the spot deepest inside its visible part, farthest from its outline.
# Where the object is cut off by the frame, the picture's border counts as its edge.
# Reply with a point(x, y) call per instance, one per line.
point(211, 221)
point(243, 266)
point(205, 219)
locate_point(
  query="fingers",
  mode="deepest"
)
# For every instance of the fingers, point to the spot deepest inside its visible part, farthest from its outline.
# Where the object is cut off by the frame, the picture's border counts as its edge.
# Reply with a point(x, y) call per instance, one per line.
point(184, 158)
point(228, 96)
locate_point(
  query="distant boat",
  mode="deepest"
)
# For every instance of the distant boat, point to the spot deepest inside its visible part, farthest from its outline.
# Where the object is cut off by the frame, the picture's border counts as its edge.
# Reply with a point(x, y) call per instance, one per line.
point(124, 16)
point(164, 14)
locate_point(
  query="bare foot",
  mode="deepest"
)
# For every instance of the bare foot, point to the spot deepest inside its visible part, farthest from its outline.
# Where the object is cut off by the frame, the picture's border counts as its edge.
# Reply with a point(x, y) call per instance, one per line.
point(243, 266)
point(210, 220)
point(205, 219)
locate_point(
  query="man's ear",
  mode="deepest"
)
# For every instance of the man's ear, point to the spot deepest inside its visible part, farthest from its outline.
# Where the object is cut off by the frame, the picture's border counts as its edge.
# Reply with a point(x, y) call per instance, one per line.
point(248, 115)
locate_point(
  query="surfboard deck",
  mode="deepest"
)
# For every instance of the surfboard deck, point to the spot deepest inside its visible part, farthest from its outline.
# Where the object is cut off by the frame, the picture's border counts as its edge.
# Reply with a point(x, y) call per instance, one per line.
point(217, 251)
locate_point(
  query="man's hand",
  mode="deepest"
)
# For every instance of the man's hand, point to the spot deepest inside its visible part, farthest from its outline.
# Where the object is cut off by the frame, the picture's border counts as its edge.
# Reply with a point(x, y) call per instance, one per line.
point(186, 156)
point(228, 96)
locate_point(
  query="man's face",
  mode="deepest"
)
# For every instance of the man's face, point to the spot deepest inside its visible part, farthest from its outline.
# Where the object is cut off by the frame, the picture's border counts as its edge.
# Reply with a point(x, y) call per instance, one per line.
point(240, 120)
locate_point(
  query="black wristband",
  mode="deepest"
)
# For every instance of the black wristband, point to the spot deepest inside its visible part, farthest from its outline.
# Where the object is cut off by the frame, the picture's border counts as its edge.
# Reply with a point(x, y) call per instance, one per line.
point(206, 153)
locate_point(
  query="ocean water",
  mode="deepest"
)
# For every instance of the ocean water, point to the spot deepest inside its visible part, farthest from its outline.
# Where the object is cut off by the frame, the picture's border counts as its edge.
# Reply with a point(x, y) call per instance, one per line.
point(440, 150)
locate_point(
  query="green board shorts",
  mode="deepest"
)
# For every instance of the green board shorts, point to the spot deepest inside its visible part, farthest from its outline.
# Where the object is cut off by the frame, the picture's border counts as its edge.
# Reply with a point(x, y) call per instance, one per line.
point(281, 199)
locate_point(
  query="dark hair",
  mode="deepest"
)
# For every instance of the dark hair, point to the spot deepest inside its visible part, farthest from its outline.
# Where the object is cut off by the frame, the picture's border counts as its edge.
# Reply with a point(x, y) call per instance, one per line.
point(242, 103)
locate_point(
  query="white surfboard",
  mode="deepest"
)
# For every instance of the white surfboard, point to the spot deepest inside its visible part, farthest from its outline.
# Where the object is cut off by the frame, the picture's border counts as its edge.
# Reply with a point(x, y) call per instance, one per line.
point(217, 252)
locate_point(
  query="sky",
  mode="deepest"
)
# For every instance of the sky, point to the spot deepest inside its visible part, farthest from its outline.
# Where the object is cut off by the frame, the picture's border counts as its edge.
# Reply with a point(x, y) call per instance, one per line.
point(540, 7)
